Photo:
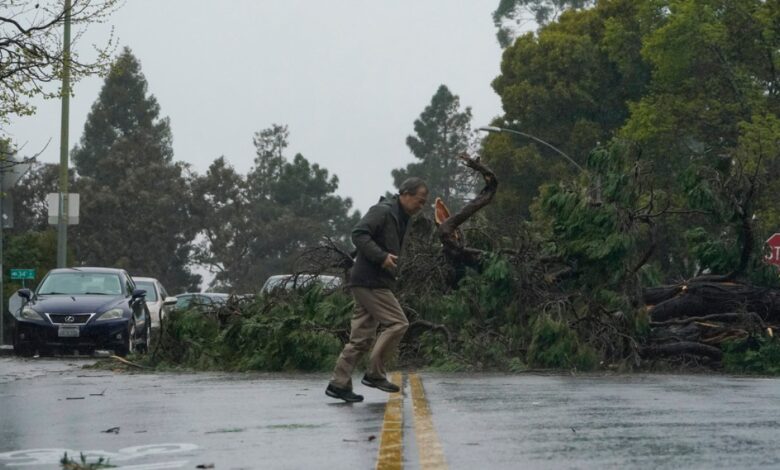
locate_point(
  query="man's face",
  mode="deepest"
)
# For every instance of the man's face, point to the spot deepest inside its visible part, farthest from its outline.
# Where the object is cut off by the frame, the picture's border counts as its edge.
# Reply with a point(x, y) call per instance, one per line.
point(413, 203)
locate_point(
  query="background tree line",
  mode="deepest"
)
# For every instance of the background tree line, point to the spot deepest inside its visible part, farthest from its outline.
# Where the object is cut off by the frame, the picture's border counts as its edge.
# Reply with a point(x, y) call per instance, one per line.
point(143, 211)
point(593, 73)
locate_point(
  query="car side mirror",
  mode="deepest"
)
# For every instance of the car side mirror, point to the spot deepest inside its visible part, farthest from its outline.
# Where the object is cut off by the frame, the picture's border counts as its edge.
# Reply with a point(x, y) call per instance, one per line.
point(25, 294)
point(137, 293)
point(170, 301)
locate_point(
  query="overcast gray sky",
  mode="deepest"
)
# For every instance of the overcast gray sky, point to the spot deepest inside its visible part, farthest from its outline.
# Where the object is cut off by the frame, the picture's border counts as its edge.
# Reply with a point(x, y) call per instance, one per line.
point(348, 77)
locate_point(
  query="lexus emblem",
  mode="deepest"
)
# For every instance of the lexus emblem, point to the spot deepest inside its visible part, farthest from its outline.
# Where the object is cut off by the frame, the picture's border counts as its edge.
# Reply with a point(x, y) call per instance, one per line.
point(70, 319)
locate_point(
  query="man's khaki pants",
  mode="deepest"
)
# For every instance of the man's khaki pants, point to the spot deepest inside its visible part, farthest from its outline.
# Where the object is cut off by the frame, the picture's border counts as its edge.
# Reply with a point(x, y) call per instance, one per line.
point(373, 307)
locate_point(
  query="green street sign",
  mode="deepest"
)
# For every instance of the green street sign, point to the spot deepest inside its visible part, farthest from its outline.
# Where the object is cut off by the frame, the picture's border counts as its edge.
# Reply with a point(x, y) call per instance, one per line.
point(22, 274)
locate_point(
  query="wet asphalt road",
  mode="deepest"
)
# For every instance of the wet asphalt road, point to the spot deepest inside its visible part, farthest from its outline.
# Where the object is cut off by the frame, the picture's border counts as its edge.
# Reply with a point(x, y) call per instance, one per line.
point(232, 421)
point(639, 421)
point(258, 421)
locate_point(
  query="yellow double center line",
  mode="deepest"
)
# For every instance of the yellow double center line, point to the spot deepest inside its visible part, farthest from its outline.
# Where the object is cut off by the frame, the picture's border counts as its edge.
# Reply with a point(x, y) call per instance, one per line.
point(391, 444)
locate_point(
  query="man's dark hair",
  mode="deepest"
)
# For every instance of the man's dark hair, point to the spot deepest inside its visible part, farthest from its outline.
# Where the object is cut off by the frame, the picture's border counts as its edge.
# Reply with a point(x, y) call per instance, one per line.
point(412, 185)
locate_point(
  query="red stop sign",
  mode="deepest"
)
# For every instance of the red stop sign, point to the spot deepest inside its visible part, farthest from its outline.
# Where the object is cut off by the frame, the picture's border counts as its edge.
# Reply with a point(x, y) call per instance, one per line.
point(773, 257)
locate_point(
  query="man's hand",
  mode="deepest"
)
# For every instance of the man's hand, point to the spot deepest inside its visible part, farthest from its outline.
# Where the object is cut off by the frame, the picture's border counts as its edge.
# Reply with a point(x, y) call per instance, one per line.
point(390, 262)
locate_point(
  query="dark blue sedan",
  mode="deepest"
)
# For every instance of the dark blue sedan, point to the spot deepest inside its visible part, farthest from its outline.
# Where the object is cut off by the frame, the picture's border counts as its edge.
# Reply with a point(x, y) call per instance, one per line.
point(82, 309)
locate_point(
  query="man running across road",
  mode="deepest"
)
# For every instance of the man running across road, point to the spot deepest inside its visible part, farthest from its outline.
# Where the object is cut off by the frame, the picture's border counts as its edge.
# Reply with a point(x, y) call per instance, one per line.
point(378, 237)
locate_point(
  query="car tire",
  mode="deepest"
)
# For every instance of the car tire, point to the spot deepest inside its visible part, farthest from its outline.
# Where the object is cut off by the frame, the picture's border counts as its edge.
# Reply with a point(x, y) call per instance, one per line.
point(143, 348)
point(128, 347)
point(23, 350)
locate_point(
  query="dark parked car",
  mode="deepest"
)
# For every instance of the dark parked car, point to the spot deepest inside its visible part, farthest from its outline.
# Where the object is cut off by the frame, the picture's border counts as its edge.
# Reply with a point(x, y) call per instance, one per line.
point(82, 309)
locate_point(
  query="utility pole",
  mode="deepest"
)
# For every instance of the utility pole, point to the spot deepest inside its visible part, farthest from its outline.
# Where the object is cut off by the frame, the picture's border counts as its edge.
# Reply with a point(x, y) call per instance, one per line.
point(11, 170)
point(62, 223)
point(2, 302)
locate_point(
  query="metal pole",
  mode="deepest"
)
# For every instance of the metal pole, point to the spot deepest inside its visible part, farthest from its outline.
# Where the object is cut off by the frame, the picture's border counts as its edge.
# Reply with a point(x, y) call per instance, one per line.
point(537, 139)
point(62, 222)
point(2, 272)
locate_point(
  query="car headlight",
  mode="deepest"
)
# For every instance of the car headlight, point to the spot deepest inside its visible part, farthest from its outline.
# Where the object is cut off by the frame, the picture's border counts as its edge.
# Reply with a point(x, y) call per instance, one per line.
point(30, 314)
point(113, 314)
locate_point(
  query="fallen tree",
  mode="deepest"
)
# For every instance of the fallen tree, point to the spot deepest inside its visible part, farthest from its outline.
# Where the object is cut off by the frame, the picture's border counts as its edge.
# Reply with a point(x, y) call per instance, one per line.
point(703, 317)
point(501, 307)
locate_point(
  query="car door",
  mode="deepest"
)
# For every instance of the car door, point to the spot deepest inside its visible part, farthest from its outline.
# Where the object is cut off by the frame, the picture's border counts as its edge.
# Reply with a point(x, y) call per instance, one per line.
point(138, 305)
point(163, 294)
point(156, 304)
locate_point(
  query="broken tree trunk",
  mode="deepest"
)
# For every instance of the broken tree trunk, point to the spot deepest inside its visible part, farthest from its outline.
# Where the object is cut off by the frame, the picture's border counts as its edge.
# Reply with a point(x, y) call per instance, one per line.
point(699, 317)
point(454, 245)
point(706, 298)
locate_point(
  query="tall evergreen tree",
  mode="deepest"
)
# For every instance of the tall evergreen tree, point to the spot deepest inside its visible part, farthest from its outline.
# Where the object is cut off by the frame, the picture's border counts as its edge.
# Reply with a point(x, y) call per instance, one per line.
point(134, 199)
point(221, 209)
point(269, 147)
point(443, 133)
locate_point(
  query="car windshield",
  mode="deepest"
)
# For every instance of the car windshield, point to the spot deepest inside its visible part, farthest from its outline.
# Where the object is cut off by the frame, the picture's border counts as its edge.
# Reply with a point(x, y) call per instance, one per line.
point(285, 282)
point(148, 286)
point(80, 283)
point(204, 301)
point(183, 302)
point(220, 299)
point(290, 281)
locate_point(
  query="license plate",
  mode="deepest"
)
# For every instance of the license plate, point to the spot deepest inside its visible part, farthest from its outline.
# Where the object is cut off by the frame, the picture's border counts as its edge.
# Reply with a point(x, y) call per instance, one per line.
point(68, 332)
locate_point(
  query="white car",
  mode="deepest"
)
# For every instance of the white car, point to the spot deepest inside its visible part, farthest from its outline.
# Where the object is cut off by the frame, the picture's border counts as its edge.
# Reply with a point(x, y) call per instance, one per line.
point(157, 298)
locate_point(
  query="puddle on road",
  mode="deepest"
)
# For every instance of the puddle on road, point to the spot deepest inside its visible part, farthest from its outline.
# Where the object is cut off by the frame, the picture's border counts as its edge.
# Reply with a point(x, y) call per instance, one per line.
point(272, 427)
point(34, 458)
point(292, 426)
point(222, 431)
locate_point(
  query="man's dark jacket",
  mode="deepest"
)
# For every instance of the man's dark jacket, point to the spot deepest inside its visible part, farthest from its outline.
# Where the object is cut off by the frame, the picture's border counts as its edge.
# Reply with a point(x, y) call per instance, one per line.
point(379, 232)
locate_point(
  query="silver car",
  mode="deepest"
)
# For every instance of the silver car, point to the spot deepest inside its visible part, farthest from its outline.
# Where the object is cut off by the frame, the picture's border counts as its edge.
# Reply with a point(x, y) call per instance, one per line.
point(300, 281)
point(157, 298)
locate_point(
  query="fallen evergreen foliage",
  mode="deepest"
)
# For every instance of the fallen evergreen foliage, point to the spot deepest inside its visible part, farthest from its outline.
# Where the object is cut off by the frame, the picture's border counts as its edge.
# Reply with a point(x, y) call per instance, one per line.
point(755, 355)
point(482, 324)
point(296, 331)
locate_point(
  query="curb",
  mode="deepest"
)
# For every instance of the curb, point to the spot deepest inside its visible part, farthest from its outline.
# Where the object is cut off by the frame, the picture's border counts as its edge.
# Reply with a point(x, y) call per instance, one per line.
point(6, 350)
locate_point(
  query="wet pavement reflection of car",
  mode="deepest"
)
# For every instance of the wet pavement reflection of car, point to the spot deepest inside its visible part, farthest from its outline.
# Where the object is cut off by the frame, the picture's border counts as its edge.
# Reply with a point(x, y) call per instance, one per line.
point(80, 310)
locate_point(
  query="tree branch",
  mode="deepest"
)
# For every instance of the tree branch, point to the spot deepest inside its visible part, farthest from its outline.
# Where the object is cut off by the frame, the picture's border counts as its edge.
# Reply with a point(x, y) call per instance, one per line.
point(453, 245)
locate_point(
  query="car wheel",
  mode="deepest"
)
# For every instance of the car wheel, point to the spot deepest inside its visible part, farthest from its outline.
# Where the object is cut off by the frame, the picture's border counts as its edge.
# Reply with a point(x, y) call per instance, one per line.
point(148, 341)
point(129, 345)
point(144, 347)
point(23, 350)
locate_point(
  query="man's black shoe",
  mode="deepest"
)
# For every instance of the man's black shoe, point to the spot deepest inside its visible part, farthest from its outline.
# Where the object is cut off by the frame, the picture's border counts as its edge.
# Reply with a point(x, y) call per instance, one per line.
point(343, 394)
point(380, 383)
